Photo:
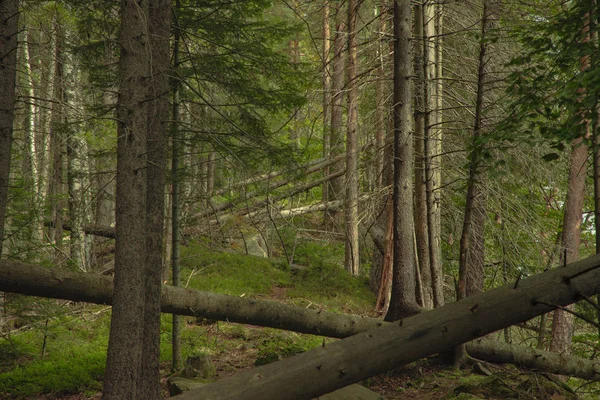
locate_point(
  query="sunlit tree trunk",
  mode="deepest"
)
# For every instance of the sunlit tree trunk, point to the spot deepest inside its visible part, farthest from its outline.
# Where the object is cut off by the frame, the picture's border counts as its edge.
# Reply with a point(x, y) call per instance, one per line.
point(335, 190)
point(421, 97)
point(433, 26)
point(352, 258)
point(326, 92)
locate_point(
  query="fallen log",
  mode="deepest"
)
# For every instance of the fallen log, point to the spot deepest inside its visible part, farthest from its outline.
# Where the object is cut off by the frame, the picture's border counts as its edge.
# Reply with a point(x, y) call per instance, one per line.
point(35, 280)
point(30, 279)
point(104, 231)
point(64, 284)
point(325, 369)
point(497, 352)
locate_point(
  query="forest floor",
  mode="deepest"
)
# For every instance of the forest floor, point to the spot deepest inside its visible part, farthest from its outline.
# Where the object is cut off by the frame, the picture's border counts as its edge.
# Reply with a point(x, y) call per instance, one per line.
point(58, 350)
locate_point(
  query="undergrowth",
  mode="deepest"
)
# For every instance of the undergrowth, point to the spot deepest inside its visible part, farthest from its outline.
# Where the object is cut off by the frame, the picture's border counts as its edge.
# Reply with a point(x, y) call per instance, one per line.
point(74, 338)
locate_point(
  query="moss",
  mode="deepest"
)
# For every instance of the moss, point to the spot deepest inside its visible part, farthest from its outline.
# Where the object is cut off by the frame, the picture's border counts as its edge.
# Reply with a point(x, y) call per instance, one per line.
point(229, 273)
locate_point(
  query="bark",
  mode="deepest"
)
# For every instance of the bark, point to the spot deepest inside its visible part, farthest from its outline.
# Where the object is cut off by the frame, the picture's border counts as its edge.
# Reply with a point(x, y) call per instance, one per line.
point(77, 182)
point(124, 360)
point(470, 277)
point(352, 255)
point(9, 25)
point(336, 142)
point(57, 127)
point(29, 279)
point(596, 174)
point(562, 322)
point(336, 365)
point(326, 91)
point(381, 95)
point(523, 356)
point(175, 177)
point(35, 280)
point(403, 299)
point(433, 151)
point(421, 226)
point(159, 27)
point(476, 252)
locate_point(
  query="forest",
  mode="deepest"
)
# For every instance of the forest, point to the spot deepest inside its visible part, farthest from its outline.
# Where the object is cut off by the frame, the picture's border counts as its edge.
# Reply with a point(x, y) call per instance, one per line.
point(299, 199)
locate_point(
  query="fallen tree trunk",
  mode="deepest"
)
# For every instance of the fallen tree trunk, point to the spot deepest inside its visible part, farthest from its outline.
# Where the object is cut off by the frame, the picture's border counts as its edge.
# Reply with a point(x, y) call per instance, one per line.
point(35, 280)
point(104, 231)
point(497, 352)
point(312, 166)
point(215, 209)
point(366, 354)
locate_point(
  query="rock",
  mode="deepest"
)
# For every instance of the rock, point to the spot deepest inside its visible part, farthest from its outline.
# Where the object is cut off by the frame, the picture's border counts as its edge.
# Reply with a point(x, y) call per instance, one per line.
point(178, 384)
point(255, 245)
point(198, 366)
point(352, 392)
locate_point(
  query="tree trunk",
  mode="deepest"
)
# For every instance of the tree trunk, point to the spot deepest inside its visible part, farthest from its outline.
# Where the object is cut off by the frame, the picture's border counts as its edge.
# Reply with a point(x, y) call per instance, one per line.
point(421, 226)
point(9, 26)
point(59, 283)
point(523, 356)
point(326, 92)
point(352, 255)
point(433, 152)
point(470, 278)
point(335, 190)
point(403, 300)
point(175, 177)
point(159, 27)
point(57, 148)
point(124, 360)
point(562, 321)
point(381, 94)
point(334, 365)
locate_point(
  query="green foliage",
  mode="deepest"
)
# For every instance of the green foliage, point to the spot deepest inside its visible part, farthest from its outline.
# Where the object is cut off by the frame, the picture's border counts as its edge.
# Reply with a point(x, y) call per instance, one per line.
point(555, 79)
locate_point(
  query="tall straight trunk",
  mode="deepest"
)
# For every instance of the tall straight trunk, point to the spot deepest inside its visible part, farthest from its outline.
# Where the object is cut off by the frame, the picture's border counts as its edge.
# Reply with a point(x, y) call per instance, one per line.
point(78, 172)
point(562, 321)
point(469, 264)
point(159, 27)
point(433, 151)
point(124, 360)
point(9, 25)
point(176, 330)
point(380, 106)
point(421, 226)
point(57, 125)
point(336, 142)
point(403, 299)
point(597, 199)
point(326, 92)
point(595, 125)
point(352, 261)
